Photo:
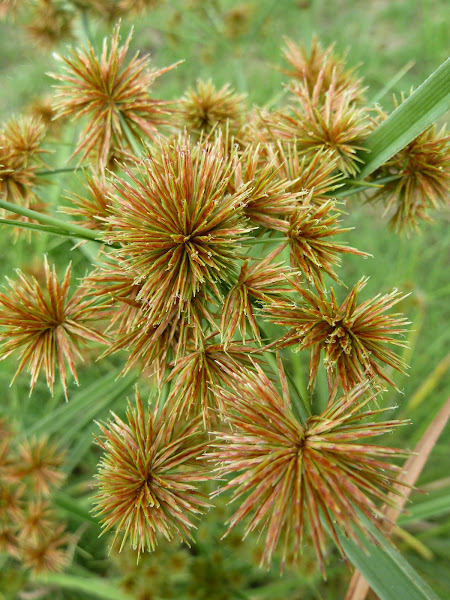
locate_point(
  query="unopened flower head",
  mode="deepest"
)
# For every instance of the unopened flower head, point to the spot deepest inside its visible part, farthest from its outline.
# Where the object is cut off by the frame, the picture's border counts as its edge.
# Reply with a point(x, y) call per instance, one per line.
point(148, 475)
point(46, 326)
point(286, 474)
point(353, 338)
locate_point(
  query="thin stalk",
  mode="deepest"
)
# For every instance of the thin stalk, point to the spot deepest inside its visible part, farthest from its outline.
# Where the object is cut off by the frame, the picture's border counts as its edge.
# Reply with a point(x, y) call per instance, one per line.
point(129, 135)
point(60, 227)
point(301, 407)
point(56, 171)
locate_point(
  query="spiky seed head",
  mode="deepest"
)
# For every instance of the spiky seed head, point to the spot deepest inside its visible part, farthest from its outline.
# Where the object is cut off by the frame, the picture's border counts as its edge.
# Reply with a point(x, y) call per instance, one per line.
point(38, 464)
point(48, 553)
point(179, 227)
point(321, 66)
point(197, 374)
point(337, 126)
point(423, 180)
point(311, 228)
point(113, 96)
point(46, 325)
point(205, 108)
point(258, 281)
point(354, 338)
point(50, 23)
point(286, 473)
point(147, 476)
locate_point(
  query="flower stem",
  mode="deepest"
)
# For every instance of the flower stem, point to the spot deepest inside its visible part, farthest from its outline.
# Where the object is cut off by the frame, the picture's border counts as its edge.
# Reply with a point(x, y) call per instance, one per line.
point(56, 226)
point(56, 171)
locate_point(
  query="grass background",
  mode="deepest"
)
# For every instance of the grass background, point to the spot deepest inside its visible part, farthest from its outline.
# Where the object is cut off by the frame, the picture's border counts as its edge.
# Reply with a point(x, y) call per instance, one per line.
point(381, 36)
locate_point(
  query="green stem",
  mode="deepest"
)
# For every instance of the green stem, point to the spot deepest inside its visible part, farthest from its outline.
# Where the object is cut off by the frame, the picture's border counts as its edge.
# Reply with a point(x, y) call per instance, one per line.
point(56, 171)
point(59, 227)
point(129, 134)
point(300, 406)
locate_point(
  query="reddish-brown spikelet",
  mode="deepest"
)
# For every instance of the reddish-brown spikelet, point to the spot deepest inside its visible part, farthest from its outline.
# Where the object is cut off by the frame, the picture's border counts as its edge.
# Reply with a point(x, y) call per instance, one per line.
point(37, 520)
point(288, 474)
point(48, 553)
point(321, 65)
point(93, 206)
point(198, 374)
point(423, 184)
point(309, 232)
point(147, 476)
point(352, 337)
point(337, 125)
point(46, 326)
point(113, 96)
point(271, 199)
point(261, 282)
point(50, 23)
point(23, 137)
point(38, 463)
point(205, 108)
point(179, 226)
point(315, 175)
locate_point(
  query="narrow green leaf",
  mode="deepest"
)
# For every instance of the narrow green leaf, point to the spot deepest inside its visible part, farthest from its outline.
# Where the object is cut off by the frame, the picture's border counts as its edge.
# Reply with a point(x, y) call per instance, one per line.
point(388, 573)
point(424, 107)
point(432, 507)
point(93, 587)
point(74, 507)
point(69, 418)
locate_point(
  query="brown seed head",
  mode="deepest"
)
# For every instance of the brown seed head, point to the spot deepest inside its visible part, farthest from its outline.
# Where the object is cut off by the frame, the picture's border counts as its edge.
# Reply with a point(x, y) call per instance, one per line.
point(286, 474)
point(113, 96)
point(46, 326)
point(147, 476)
point(352, 337)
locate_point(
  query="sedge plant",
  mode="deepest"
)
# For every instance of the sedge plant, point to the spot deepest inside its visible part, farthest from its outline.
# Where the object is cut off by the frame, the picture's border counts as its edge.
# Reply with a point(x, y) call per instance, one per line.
point(218, 231)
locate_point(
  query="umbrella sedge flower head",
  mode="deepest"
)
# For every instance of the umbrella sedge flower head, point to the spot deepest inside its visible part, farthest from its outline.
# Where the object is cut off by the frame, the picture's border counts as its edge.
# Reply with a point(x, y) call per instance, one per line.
point(352, 337)
point(423, 183)
point(200, 371)
point(259, 281)
point(147, 476)
point(271, 199)
point(178, 225)
point(321, 66)
point(310, 228)
point(46, 326)
point(38, 463)
point(114, 97)
point(48, 553)
point(50, 23)
point(337, 125)
point(205, 108)
point(23, 137)
point(286, 473)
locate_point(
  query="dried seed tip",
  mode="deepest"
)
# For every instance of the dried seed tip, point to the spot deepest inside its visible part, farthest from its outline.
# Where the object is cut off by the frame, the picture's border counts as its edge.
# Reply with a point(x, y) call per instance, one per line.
point(286, 474)
point(352, 337)
point(46, 326)
point(113, 95)
point(147, 476)
point(178, 225)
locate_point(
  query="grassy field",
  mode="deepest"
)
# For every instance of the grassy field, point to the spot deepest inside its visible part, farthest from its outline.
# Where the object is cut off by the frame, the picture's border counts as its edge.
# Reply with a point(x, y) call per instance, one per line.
point(240, 43)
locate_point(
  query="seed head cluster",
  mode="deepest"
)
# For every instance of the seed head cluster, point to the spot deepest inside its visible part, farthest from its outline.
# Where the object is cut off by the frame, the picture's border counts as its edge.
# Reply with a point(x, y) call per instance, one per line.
point(218, 234)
